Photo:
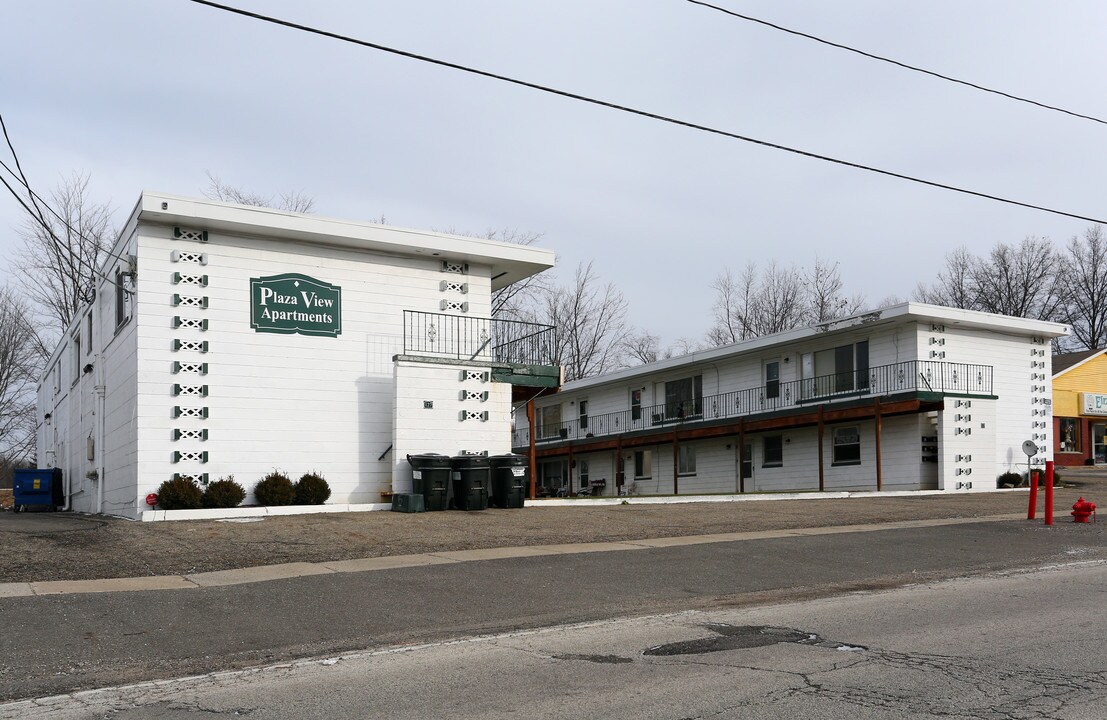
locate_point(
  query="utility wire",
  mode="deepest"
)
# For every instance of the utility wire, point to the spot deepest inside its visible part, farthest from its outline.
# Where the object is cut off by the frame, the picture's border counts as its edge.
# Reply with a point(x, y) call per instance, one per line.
point(633, 111)
point(897, 63)
point(21, 178)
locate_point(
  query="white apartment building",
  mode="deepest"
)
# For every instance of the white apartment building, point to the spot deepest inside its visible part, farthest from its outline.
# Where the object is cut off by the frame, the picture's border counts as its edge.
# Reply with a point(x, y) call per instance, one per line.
point(909, 397)
point(233, 340)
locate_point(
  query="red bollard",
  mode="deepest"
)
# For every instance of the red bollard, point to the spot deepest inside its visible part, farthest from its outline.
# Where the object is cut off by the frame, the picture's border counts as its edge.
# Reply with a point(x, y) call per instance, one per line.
point(1032, 511)
point(1049, 493)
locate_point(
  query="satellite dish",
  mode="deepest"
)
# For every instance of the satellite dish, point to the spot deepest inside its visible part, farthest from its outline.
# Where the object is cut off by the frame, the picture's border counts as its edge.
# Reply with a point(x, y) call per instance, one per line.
point(1030, 448)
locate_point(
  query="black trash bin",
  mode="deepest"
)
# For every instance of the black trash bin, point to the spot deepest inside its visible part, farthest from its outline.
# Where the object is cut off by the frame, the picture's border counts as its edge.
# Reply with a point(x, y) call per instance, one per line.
point(472, 478)
point(510, 477)
point(430, 477)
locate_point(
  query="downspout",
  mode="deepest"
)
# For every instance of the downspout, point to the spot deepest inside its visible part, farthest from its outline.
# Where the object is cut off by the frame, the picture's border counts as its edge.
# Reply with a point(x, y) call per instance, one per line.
point(100, 404)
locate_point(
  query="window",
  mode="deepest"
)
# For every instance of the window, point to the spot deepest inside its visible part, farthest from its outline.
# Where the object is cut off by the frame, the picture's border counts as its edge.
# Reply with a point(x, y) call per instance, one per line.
point(122, 300)
point(842, 369)
point(635, 405)
point(88, 326)
point(772, 379)
point(686, 460)
point(549, 421)
point(582, 405)
point(684, 398)
point(847, 446)
point(1070, 435)
point(643, 464)
point(77, 357)
point(772, 451)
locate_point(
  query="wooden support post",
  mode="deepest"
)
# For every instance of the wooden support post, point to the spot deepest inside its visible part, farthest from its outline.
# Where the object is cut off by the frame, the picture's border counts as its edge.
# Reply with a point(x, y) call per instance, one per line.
point(879, 427)
point(741, 455)
point(533, 452)
point(676, 465)
point(620, 471)
point(820, 422)
point(569, 490)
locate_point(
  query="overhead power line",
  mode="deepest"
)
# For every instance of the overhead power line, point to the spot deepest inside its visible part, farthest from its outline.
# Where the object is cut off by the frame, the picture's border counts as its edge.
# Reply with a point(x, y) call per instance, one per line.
point(897, 63)
point(35, 211)
point(634, 111)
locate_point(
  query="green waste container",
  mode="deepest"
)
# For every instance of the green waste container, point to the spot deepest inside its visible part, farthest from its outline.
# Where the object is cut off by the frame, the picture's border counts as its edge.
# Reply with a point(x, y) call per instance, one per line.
point(430, 477)
point(472, 479)
point(510, 477)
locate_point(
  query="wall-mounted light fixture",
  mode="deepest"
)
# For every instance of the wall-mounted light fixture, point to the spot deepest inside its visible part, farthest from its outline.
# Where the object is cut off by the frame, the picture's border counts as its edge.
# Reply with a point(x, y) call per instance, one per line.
point(87, 368)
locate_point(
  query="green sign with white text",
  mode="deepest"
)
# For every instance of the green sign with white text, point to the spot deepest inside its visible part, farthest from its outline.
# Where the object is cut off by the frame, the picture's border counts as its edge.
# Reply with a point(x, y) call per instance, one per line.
point(295, 303)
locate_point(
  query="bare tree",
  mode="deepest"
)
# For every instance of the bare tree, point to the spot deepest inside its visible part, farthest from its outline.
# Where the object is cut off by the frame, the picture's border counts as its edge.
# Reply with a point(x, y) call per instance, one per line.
point(1019, 280)
point(61, 254)
point(825, 299)
point(293, 201)
point(1084, 274)
point(21, 360)
point(590, 318)
point(643, 348)
point(954, 286)
point(757, 303)
point(511, 301)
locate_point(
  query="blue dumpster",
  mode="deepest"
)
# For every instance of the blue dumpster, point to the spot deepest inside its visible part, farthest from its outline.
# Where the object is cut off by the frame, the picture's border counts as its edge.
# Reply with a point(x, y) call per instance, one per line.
point(38, 487)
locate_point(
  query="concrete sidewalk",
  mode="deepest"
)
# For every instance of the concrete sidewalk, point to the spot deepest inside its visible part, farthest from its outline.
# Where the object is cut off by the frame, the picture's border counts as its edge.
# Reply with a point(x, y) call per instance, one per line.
point(38, 551)
point(284, 571)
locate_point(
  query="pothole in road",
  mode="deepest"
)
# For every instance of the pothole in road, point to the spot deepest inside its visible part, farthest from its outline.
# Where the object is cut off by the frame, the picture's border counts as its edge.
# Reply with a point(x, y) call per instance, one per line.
point(738, 637)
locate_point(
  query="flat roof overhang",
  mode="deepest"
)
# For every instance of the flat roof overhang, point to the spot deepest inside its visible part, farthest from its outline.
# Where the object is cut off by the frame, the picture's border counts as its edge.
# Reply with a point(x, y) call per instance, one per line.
point(510, 262)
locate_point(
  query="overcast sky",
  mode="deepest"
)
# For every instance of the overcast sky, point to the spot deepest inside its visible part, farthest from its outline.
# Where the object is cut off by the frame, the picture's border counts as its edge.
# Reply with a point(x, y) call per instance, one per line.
point(145, 94)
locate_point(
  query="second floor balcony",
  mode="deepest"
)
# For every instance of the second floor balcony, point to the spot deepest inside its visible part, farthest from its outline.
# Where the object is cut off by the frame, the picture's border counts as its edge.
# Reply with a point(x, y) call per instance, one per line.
point(915, 376)
point(519, 352)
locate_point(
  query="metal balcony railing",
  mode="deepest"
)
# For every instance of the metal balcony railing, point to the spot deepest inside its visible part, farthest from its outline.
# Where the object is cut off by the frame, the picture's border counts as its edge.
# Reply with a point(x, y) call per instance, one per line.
point(911, 376)
point(482, 339)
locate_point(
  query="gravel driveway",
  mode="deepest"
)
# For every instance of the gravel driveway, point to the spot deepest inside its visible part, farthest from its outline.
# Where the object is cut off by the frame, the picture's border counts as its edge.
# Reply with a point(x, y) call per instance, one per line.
point(97, 547)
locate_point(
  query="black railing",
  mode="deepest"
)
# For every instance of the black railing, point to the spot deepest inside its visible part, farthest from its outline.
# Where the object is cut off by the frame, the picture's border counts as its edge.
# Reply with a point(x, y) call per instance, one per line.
point(911, 376)
point(481, 339)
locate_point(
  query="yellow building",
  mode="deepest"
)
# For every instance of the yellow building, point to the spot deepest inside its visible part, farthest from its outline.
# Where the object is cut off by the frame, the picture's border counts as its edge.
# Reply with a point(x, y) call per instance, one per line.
point(1080, 407)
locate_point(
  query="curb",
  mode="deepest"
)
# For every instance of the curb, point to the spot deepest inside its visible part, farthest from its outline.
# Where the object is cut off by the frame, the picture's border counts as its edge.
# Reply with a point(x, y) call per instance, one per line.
point(266, 573)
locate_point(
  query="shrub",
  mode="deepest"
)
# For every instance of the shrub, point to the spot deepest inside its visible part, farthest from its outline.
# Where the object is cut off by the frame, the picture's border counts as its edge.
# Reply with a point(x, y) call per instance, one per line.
point(182, 493)
point(223, 493)
point(275, 489)
point(1009, 478)
point(312, 490)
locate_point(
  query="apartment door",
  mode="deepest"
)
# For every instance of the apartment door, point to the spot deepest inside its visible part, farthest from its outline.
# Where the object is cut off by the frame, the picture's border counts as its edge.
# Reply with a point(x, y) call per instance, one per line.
point(744, 469)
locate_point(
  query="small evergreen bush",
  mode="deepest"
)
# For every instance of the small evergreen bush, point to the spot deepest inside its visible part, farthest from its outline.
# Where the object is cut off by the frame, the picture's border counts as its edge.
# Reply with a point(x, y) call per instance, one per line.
point(179, 494)
point(275, 489)
point(312, 489)
point(223, 493)
point(1009, 478)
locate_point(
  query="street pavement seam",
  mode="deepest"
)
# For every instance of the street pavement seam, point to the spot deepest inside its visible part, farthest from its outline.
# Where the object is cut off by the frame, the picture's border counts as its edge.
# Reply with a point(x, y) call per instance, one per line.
point(265, 573)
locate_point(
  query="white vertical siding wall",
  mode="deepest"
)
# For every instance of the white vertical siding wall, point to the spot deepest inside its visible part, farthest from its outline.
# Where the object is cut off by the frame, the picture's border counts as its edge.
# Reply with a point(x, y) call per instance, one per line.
point(288, 402)
point(70, 400)
point(439, 429)
point(1021, 382)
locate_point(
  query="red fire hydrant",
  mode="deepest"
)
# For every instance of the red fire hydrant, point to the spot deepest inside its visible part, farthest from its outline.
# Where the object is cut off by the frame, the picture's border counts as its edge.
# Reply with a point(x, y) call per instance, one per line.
point(1081, 509)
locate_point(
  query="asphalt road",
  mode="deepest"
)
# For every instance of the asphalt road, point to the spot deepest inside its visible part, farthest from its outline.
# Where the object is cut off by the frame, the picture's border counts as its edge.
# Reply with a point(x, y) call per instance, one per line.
point(1004, 647)
point(58, 644)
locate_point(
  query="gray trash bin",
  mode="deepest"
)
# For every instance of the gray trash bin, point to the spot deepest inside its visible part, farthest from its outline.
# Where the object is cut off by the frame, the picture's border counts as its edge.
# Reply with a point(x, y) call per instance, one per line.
point(472, 480)
point(510, 477)
point(430, 477)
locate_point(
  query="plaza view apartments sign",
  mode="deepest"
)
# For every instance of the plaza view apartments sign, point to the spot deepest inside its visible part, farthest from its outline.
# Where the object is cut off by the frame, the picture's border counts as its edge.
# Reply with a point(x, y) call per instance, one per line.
point(295, 303)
